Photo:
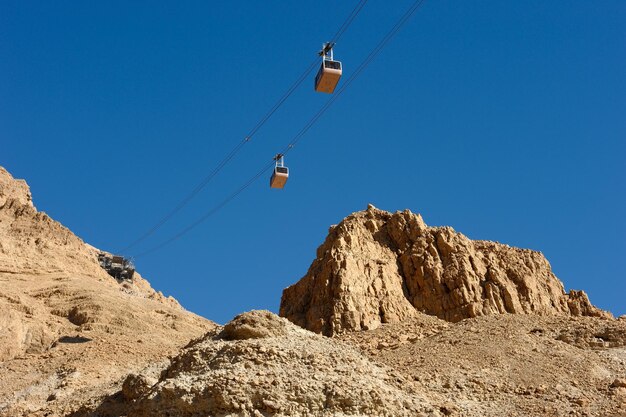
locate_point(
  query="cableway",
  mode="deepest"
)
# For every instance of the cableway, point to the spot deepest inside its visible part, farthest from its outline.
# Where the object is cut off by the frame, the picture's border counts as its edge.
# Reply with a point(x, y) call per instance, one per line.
point(209, 213)
point(182, 203)
point(370, 57)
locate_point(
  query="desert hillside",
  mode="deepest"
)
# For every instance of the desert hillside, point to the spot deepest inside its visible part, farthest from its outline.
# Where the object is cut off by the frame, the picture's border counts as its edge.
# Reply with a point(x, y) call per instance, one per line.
point(515, 365)
point(262, 365)
point(507, 365)
point(68, 330)
point(422, 341)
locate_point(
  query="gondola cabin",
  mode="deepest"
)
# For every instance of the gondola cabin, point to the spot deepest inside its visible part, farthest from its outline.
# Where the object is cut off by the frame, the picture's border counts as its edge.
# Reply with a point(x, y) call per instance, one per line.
point(279, 177)
point(280, 174)
point(328, 76)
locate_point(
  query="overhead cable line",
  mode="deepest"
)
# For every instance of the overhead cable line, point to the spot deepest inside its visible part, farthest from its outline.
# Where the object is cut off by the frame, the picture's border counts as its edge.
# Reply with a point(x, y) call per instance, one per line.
point(209, 213)
point(348, 22)
point(342, 29)
point(370, 57)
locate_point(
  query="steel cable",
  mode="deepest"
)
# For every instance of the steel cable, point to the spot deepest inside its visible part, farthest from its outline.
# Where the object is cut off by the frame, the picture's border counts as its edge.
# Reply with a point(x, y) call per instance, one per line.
point(209, 213)
point(370, 57)
point(342, 29)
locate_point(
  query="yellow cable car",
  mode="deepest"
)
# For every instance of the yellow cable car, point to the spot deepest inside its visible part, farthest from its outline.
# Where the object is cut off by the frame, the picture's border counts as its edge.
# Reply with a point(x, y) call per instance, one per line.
point(329, 73)
point(280, 174)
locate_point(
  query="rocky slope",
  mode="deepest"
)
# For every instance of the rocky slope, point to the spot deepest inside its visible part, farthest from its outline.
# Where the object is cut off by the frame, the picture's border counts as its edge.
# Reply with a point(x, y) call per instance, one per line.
point(508, 365)
point(262, 365)
point(68, 331)
point(377, 267)
point(490, 366)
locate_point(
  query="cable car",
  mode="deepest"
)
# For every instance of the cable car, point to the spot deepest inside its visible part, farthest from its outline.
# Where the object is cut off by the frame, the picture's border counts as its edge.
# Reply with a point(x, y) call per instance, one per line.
point(330, 71)
point(280, 174)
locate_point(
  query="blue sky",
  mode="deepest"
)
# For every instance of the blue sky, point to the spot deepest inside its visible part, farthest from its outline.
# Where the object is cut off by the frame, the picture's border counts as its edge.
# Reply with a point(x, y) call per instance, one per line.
point(504, 120)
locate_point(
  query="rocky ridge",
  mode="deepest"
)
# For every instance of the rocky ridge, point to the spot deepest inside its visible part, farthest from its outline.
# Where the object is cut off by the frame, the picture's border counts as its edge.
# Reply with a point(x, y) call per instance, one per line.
point(33, 243)
point(377, 267)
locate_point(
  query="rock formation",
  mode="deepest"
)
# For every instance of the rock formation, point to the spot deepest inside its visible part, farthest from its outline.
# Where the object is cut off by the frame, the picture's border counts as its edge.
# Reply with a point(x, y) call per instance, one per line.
point(262, 365)
point(377, 267)
point(69, 331)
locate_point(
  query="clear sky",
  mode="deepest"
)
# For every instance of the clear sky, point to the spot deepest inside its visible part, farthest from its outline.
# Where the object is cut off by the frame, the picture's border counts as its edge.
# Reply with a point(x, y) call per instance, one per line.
point(505, 120)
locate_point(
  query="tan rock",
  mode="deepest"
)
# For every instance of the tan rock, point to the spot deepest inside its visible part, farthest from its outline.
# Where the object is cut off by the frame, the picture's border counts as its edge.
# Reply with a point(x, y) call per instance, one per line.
point(70, 335)
point(135, 386)
point(289, 372)
point(496, 372)
point(376, 267)
point(256, 324)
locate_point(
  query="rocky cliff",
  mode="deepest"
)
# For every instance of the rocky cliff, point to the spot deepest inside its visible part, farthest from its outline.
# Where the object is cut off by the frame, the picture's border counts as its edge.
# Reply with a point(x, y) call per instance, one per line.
point(377, 267)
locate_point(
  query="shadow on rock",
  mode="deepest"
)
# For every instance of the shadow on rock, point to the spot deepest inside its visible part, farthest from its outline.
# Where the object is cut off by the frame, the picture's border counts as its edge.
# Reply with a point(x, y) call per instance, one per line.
point(74, 339)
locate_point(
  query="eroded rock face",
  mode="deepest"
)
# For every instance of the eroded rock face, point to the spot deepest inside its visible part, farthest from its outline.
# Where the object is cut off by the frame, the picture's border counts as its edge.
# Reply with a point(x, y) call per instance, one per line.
point(278, 369)
point(377, 267)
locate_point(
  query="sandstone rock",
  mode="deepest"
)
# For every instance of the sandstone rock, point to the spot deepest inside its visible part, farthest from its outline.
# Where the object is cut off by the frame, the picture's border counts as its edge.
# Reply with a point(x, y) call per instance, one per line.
point(605, 334)
point(377, 267)
point(579, 305)
point(70, 334)
point(14, 190)
point(34, 243)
